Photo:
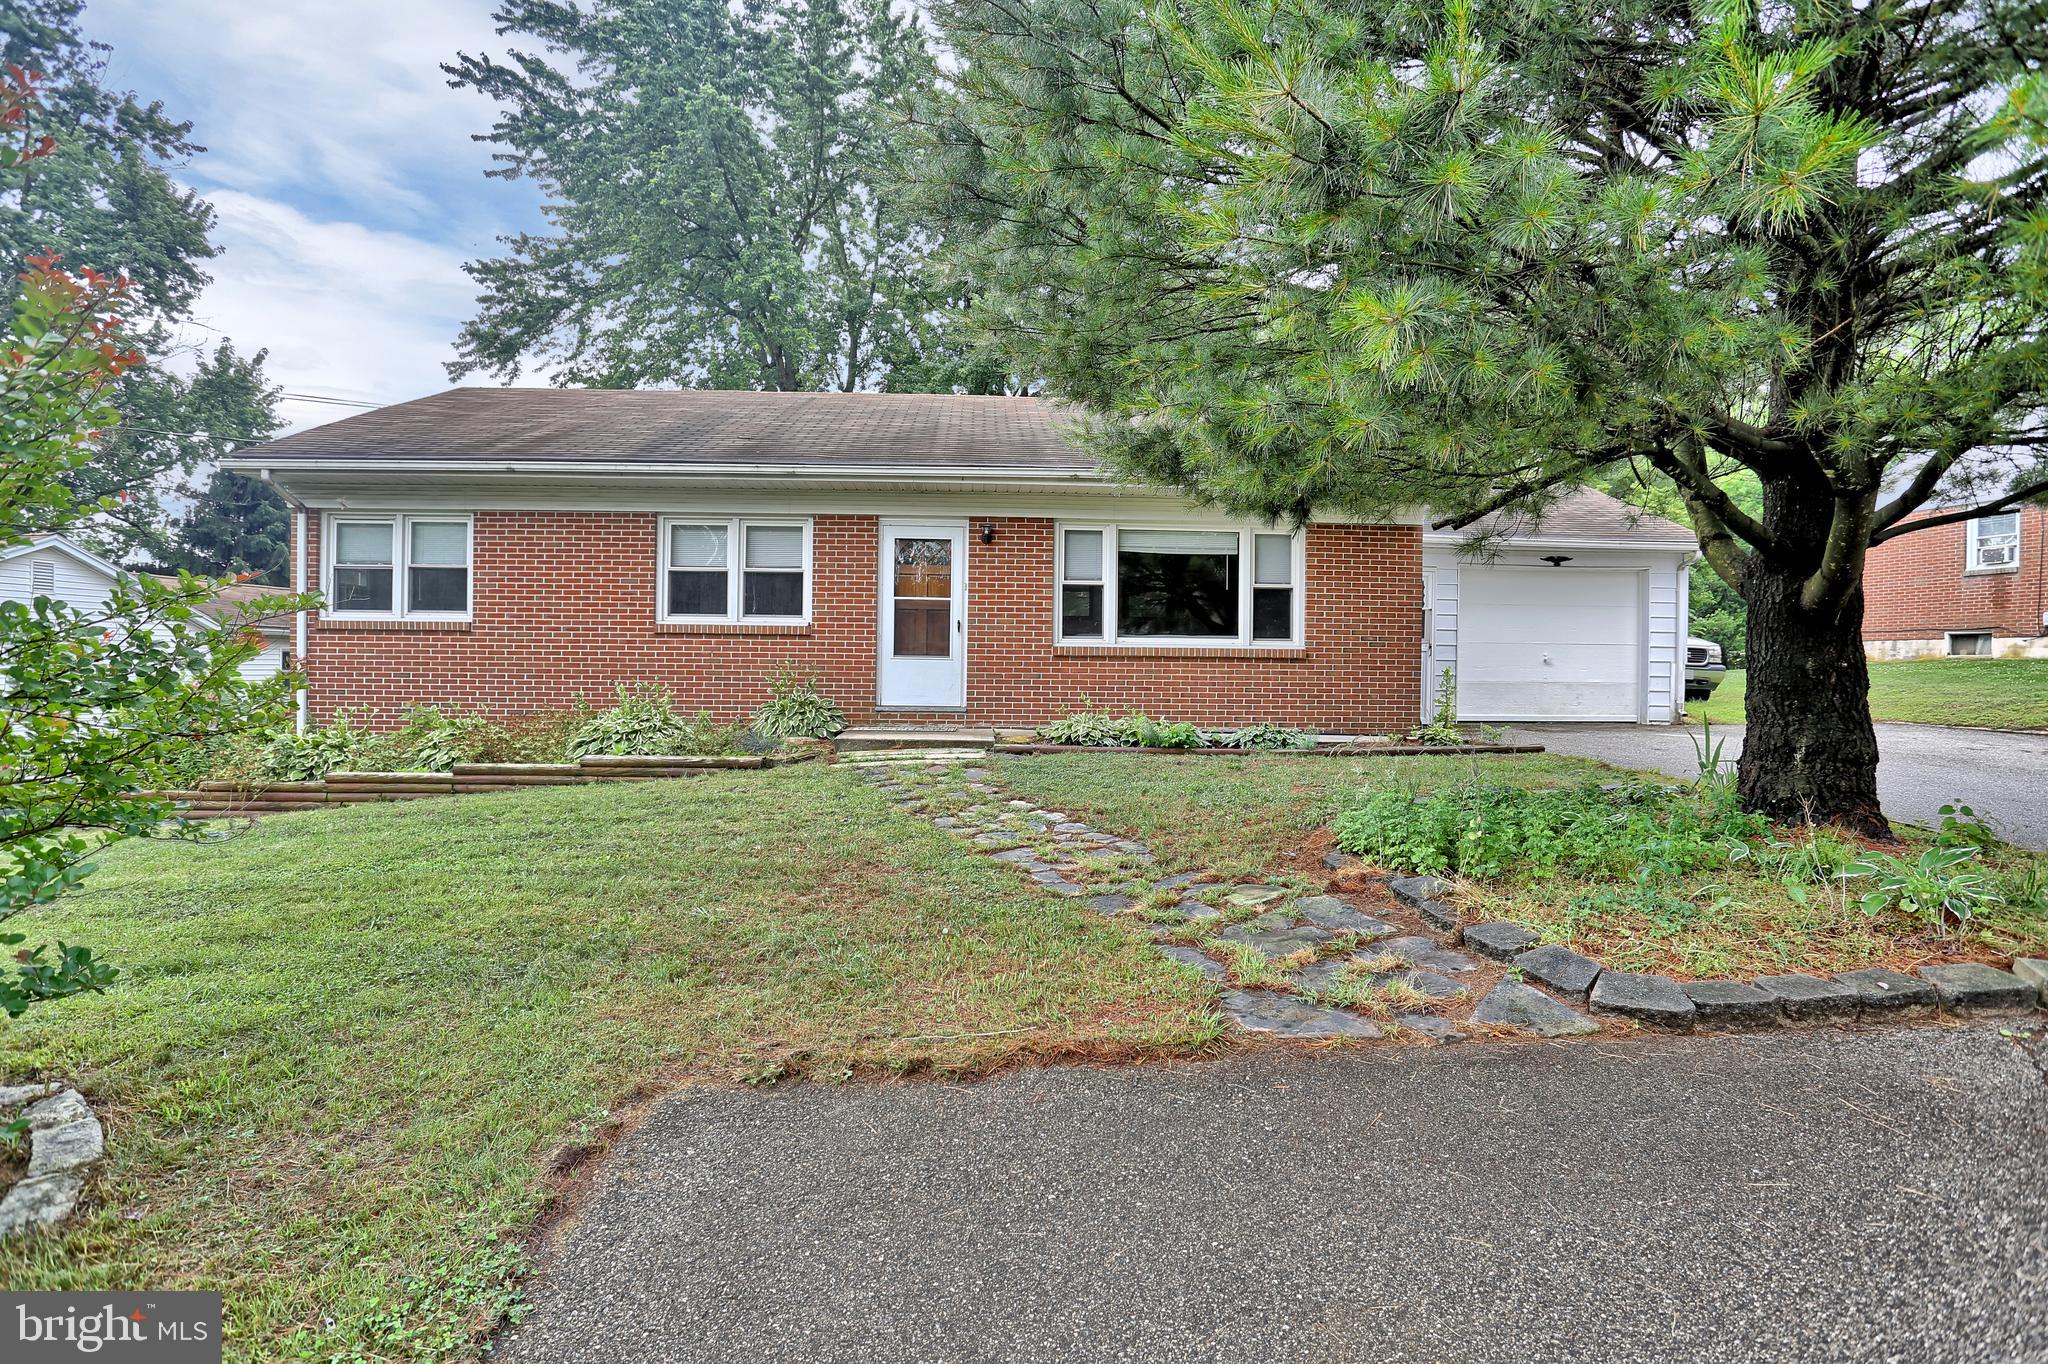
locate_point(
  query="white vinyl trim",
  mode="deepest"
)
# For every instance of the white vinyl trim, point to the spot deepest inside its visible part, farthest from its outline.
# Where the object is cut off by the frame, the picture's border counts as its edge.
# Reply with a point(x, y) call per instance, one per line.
point(736, 528)
point(1989, 551)
point(1247, 547)
point(401, 524)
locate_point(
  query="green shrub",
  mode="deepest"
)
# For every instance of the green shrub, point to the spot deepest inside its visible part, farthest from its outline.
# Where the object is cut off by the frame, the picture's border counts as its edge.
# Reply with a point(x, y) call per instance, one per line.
point(645, 723)
point(229, 757)
point(1443, 723)
point(1089, 729)
point(430, 739)
point(796, 709)
point(1961, 828)
point(1155, 734)
point(1268, 736)
point(341, 746)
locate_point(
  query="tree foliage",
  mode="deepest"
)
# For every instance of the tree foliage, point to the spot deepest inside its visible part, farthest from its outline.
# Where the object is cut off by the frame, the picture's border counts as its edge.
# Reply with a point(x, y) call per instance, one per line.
point(103, 196)
point(716, 189)
point(174, 422)
point(1472, 254)
point(95, 700)
point(236, 525)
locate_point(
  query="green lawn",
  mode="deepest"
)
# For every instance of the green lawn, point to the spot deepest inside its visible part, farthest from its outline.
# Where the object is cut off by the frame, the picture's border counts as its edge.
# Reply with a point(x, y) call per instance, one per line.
point(1999, 693)
point(346, 1043)
point(1237, 816)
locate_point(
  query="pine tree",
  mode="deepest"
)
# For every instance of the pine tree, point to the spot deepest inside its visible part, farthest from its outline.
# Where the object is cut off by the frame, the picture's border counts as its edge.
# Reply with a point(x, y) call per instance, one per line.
point(236, 525)
point(1468, 255)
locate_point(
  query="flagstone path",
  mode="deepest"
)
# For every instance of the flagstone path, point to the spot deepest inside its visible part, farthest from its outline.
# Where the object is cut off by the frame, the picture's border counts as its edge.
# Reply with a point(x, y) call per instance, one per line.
point(1353, 957)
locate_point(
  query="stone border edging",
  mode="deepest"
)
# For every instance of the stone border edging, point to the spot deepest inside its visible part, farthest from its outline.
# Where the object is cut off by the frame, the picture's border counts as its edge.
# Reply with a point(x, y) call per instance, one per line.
point(1272, 922)
point(1795, 997)
point(65, 1140)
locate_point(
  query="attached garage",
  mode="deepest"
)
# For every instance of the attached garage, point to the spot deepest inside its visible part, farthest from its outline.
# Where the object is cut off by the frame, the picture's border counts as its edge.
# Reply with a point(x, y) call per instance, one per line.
point(1551, 644)
point(1577, 617)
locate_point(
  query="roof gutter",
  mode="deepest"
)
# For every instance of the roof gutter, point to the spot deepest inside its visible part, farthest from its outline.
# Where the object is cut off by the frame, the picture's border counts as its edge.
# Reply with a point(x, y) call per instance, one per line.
point(271, 470)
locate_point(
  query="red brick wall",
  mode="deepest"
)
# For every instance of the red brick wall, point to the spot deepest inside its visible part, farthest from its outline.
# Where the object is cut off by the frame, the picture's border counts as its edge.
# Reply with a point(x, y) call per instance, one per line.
point(1915, 586)
point(563, 605)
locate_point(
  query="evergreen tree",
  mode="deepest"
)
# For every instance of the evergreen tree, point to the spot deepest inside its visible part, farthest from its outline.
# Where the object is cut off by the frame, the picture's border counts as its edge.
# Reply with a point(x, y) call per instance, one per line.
point(1470, 254)
point(173, 423)
point(237, 525)
point(717, 188)
point(104, 198)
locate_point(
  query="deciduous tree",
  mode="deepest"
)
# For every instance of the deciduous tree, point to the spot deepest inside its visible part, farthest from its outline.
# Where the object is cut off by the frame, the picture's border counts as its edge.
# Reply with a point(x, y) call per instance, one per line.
point(96, 701)
point(716, 186)
point(104, 195)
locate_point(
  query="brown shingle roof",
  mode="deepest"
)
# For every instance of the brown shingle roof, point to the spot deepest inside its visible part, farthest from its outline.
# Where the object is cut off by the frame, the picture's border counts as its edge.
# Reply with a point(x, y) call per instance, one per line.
point(1585, 514)
point(236, 601)
point(700, 426)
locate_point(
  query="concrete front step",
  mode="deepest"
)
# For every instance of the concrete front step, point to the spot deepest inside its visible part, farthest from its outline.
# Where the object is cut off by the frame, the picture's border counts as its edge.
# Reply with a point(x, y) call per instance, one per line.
point(866, 738)
point(911, 757)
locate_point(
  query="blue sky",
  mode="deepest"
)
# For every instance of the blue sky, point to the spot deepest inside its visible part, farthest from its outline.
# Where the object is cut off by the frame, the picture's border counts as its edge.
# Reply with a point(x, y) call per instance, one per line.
point(348, 190)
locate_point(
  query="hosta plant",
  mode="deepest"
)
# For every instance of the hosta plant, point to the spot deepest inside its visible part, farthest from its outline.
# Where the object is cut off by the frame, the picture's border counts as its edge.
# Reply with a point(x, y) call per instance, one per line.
point(1940, 888)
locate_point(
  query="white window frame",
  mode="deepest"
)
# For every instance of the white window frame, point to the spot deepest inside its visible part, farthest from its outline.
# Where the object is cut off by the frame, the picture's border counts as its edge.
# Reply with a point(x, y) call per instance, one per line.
point(401, 524)
point(735, 570)
point(1247, 547)
point(1975, 538)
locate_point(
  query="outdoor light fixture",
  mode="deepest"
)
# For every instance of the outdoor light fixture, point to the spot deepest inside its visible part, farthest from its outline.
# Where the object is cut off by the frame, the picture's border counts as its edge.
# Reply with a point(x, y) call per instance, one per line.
point(988, 532)
point(1557, 560)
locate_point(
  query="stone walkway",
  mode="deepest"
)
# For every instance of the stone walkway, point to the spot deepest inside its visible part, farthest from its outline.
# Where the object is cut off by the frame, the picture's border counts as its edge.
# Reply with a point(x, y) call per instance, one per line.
point(1357, 956)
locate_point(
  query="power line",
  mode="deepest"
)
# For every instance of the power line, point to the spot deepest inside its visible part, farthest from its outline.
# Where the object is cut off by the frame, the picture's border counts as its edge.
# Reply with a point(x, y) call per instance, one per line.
point(323, 398)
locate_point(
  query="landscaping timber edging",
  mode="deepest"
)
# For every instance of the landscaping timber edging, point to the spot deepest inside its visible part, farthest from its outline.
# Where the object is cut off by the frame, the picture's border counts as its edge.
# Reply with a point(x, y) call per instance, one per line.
point(1320, 751)
point(228, 800)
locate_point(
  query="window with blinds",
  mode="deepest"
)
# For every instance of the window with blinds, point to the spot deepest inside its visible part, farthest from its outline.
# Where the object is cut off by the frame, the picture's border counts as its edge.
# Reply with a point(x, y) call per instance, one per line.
point(1145, 584)
point(735, 569)
point(398, 565)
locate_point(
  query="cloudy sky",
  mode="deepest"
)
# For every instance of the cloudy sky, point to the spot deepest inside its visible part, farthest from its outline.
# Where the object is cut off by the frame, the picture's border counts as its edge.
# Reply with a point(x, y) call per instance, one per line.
point(340, 163)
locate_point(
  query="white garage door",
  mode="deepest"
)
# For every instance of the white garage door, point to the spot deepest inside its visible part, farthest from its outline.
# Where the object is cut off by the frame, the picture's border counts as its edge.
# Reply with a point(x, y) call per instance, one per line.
point(1549, 644)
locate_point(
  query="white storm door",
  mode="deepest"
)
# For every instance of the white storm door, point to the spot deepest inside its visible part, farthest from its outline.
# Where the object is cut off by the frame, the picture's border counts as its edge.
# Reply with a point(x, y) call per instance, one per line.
point(924, 616)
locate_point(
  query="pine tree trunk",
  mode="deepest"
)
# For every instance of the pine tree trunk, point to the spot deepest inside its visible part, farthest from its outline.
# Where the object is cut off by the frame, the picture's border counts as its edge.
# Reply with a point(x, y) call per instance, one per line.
point(1809, 754)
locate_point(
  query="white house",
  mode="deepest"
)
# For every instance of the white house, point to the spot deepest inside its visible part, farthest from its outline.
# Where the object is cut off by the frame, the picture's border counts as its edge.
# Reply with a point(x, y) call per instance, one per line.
point(55, 567)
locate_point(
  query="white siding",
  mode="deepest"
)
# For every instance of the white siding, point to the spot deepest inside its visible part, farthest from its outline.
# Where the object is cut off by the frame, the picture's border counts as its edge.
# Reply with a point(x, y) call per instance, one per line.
point(1666, 660)
point(85, 588)
point(1444, 620)
point(268, 664)
point(1660, 625)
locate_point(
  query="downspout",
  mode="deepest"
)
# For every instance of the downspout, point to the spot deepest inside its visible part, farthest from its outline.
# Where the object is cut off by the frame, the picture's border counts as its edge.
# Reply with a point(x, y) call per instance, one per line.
point(299, 586)
point(2040, 574)
point(303, 711)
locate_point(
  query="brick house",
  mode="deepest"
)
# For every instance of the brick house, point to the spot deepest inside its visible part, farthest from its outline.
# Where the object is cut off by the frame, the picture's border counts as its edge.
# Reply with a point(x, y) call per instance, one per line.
point(1976, 588)
point(931, 559)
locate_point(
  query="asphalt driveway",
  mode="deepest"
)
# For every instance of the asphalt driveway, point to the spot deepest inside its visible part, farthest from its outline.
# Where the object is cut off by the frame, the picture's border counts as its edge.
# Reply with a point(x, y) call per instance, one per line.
point(1921, 768)
point(1777, 1197)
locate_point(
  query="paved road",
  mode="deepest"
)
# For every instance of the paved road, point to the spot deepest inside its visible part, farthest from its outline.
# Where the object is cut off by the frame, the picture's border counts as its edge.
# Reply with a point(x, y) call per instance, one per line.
point(1920, 767)
point(1776, 1197)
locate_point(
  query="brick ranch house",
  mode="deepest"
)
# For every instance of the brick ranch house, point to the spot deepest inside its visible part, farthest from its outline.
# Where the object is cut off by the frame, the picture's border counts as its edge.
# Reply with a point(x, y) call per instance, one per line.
point(932, 559)
point(1976, 588)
